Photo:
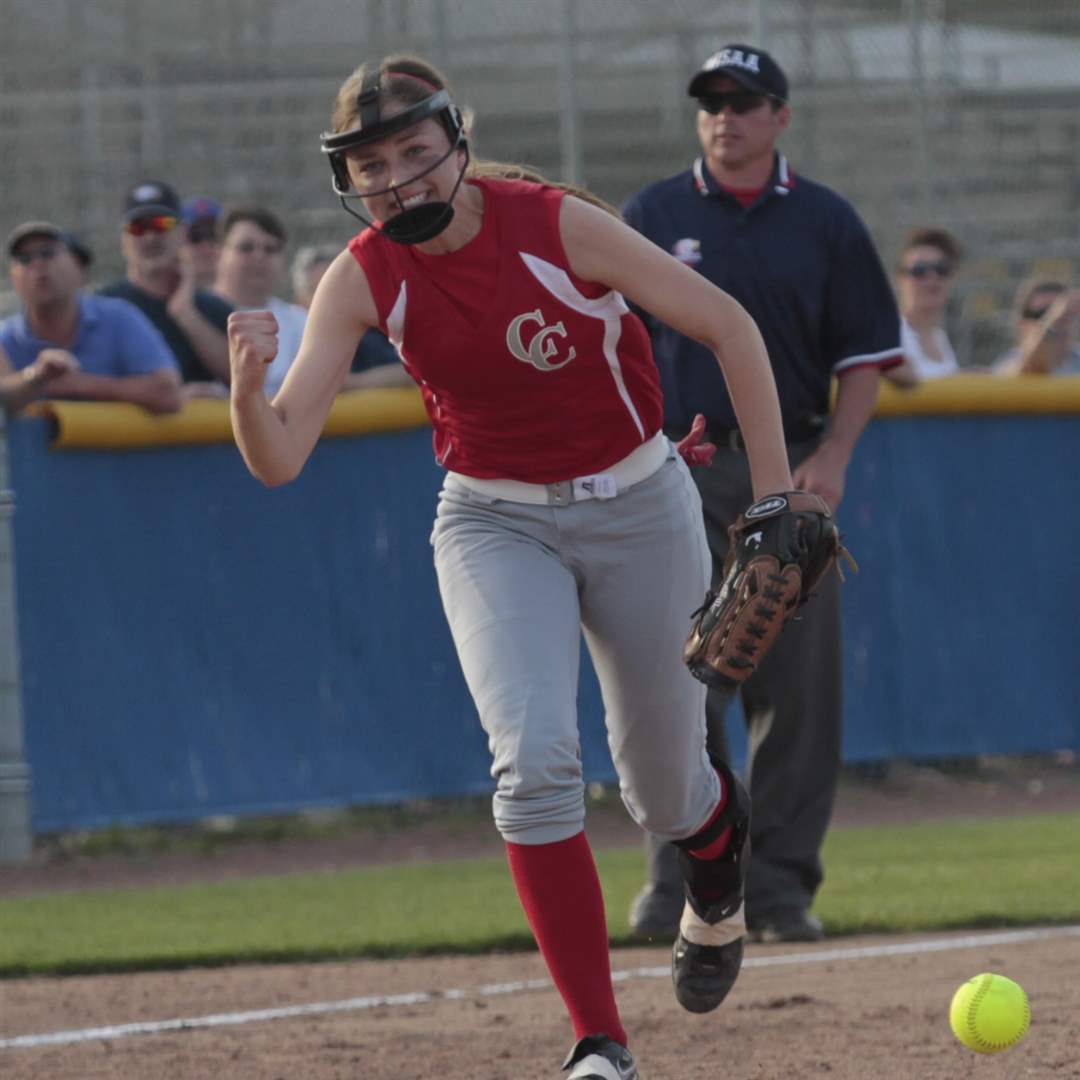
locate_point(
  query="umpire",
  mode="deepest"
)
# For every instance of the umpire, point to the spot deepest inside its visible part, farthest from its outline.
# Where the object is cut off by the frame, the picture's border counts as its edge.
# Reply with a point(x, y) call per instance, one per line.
point(800, 260)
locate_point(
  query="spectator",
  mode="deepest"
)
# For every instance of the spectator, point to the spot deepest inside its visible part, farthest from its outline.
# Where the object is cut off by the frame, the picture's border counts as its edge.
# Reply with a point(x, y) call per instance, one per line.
point(925, 272)
point(18, 387)
point(75, 345)
point(160, 282)
point(250, 268)
point(200, 215)
point(376, 361)
point(1046, 327)
point(308, 266)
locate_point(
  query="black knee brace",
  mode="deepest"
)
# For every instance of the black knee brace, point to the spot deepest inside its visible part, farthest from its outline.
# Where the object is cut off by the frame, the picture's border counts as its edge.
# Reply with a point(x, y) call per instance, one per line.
point(714, 887)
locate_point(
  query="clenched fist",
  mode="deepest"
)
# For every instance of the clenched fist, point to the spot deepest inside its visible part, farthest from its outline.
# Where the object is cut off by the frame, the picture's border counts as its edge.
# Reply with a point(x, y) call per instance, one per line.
point(253, 344)
point(50, 365)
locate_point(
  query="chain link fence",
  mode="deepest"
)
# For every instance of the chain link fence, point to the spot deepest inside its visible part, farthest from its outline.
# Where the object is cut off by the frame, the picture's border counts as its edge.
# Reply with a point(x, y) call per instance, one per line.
point(962, 113)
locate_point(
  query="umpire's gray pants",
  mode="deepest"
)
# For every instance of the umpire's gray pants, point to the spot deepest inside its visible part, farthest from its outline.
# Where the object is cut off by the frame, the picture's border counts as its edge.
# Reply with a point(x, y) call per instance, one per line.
point(519, 583)
point(793, 707)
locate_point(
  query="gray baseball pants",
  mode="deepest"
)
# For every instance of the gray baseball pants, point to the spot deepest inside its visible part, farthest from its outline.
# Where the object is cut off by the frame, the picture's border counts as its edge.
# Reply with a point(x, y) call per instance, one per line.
point(519, 584)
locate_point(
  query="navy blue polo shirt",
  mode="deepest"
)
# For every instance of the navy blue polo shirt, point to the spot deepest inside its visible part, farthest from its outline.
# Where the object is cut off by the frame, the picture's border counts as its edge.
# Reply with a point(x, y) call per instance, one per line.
point(801, 262)
point(209, 305)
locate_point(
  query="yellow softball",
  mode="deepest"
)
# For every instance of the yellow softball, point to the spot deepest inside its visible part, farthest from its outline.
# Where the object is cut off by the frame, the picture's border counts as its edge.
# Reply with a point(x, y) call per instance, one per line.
point(990, 1013)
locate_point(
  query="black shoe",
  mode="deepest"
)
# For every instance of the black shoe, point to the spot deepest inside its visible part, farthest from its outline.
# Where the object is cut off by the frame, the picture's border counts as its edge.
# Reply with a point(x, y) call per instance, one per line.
point(656, 911)
point(598, 1057)
point(792, 925)
point(704, 974)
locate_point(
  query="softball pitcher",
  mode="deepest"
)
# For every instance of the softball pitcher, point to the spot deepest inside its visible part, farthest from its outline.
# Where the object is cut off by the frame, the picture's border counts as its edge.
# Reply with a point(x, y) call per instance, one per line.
point(564, 508)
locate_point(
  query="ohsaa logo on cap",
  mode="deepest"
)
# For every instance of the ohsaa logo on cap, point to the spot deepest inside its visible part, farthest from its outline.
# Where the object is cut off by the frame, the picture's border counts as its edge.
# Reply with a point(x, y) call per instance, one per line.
point(748, 61)
point(147, 193)
point(752, 67)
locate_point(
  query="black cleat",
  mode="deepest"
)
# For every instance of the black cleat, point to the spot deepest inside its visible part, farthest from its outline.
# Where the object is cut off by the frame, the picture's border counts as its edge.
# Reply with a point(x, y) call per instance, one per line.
point(704, 974)
point(599, 1057)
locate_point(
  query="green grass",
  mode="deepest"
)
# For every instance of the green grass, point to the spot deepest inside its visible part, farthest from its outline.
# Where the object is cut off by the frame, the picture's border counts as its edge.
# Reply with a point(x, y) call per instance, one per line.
point(934, 876)
point(217, 835)
point(943, 875)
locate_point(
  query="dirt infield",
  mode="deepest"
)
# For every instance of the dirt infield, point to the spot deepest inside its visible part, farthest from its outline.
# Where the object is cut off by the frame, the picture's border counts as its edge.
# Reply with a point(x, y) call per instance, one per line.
point(848, 1017)
point(848, 1009)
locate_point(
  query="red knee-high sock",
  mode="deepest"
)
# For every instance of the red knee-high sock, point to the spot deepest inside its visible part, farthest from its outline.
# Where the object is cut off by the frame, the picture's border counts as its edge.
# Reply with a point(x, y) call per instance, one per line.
point(719, 845)
point(560, 892)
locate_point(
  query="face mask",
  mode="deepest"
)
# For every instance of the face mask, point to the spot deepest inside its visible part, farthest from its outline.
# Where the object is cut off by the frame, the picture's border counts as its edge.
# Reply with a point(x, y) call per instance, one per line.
point(419, 223)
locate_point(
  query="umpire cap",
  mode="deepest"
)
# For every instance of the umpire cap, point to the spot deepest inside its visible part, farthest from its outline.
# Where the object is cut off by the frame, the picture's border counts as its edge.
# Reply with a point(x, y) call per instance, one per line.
point(753, 68)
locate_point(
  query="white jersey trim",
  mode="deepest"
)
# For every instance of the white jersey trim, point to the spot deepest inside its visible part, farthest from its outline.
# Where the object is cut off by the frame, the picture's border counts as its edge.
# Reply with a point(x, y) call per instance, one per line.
point(868, 358)
point(395, 331)
point(395, 321)
point(609, 309)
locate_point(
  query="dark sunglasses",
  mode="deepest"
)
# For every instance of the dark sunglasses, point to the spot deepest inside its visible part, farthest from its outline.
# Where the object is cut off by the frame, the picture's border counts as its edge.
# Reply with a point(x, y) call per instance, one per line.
point(1034, 314)
point(25, 258)
point(202, 234)
point(160, 223)
point(249, 247)
point(920, 270)
point(739, 101)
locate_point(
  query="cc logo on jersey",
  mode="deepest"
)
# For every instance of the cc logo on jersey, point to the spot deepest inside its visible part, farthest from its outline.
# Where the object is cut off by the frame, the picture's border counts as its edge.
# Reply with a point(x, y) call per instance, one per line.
point(541, 348)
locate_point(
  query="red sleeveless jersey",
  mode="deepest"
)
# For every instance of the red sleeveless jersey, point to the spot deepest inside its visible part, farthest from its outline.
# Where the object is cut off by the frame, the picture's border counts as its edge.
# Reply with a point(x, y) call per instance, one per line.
point(527, 371)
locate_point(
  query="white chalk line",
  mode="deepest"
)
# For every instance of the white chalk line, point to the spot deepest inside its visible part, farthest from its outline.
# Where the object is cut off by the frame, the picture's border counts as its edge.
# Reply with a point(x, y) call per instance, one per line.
point(817, 956)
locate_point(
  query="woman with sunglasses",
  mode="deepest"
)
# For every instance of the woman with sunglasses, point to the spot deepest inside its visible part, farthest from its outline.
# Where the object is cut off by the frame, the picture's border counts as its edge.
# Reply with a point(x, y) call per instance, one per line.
point(1046, 329)
point(928, 261)
point(564, 506)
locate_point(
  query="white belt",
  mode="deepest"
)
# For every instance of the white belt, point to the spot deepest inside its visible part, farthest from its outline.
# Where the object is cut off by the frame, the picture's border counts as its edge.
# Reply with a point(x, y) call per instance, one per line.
point(638, 465)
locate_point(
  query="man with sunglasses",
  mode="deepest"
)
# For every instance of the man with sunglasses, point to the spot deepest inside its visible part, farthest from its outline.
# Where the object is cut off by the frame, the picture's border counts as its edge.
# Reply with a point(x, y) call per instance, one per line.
point(799, 259)
point(160, 282)
point(67, 344)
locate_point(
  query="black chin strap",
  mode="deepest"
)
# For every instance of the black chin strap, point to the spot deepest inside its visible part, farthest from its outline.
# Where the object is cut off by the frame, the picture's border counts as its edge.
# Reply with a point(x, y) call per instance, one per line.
point(421, 223)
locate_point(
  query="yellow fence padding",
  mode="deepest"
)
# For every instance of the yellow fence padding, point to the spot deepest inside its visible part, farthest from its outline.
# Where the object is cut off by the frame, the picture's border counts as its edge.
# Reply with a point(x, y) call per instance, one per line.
point(983, 395)
point(120, 426)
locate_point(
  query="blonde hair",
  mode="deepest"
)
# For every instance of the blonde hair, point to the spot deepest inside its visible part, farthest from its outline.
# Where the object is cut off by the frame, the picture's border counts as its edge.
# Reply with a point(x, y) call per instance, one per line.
point(408, 80)
point(1030, 287)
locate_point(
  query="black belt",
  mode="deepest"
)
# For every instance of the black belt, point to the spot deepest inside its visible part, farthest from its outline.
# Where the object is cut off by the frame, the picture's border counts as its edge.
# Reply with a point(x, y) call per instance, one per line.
point(811, 427)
